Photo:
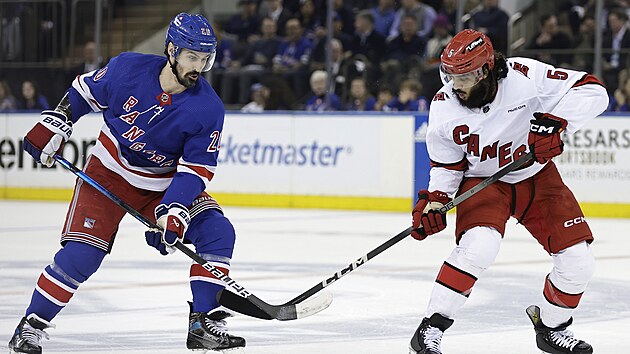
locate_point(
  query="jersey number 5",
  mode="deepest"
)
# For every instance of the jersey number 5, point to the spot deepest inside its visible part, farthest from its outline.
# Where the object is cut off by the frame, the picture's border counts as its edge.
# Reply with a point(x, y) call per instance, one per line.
point(215, 144)
point(557, 75)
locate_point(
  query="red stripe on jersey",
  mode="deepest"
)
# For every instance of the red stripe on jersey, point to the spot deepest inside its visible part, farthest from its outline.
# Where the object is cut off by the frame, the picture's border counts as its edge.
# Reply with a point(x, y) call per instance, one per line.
point(196, 270)
point(560, 298)
point(456, 279)
point(113, 152)
point(457, 166)
point(54, 290)
point(201, 171)
point(588, 79)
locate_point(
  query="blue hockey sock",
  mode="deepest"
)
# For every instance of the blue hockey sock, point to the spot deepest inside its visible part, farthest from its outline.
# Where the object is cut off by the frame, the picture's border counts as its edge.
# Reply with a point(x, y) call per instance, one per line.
point(204, 295)
point(213, 236)
point(72, 265)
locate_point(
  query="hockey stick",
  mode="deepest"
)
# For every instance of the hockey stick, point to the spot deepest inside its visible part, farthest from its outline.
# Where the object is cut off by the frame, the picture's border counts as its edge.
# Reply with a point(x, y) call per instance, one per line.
point(236, 303)
point(280, 312)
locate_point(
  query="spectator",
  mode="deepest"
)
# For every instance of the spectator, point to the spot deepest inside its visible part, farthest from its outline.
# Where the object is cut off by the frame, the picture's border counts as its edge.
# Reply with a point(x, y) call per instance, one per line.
point(407, 43)
point(408, 98)
point(275, 11)
point(384, 15)
point(549, 38)
point(338, 33)
point(384, 96)
point(292, 57)
point(574, 11)
point(255, 63)
point(8, 103)
point(616, 39)
point(339, 60)
point(292, 5)
point(449, 9)
point(584, 44)
point(493, 22)
point(360, 97)
point(281, 96)
point(91, 61)
point(245, 24)
point(261, 52)
point(367, 41)
point(260, 95)
point(439, 40)
point(431, 81)
point(222, 61)
point(619, 101)
point(317, 102)
point(345, 14)
point(31, 98)
point(309, 19)
point(424, 14)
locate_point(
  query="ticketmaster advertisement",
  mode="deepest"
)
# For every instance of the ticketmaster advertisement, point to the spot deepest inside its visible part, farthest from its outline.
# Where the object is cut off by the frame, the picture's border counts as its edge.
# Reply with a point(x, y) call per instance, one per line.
point(342, 160)
point(326, 155)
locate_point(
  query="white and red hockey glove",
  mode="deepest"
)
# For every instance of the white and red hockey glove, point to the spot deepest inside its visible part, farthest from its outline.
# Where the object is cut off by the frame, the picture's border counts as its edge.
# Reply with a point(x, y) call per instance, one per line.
point(174, 220)
point(544, 138)
point(48, 136)
point(426, 214)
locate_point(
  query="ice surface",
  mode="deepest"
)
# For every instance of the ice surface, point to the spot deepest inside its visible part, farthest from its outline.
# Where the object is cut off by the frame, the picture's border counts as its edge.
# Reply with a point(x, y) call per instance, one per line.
point(136, 302)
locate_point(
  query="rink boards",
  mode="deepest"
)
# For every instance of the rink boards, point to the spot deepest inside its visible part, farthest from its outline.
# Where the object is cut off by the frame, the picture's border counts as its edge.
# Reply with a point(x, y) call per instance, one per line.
point(337, 161)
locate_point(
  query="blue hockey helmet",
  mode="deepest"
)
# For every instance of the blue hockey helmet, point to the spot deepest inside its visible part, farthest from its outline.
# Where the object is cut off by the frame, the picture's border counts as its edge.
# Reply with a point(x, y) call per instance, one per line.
point(192, 32)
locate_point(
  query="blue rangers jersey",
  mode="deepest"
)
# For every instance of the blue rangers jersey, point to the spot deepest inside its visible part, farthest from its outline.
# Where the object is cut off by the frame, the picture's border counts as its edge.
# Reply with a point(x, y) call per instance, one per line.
point(155, 140)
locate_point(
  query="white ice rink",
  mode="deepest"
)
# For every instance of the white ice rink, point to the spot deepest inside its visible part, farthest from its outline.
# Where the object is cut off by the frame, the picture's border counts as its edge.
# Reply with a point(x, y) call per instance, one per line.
point(136, 303)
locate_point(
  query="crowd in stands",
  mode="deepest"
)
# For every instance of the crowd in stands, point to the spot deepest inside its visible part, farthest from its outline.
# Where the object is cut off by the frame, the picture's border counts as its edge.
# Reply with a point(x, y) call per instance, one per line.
point(385, 53)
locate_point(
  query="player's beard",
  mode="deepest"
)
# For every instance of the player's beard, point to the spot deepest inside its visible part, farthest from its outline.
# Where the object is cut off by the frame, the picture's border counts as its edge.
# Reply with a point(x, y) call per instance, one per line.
point(480, 94)
point(185, 80)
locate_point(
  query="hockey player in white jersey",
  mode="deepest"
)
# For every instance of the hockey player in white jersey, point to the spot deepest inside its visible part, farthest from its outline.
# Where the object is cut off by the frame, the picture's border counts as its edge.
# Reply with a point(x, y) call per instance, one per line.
point(491, 111)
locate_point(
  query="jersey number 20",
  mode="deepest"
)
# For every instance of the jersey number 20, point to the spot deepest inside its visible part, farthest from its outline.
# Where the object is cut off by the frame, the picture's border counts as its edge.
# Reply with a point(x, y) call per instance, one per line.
point(215, 144)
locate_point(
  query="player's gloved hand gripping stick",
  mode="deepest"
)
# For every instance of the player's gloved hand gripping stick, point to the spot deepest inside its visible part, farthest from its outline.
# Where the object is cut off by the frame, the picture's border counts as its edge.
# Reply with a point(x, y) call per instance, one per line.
point(289, 311)
point(237, 303)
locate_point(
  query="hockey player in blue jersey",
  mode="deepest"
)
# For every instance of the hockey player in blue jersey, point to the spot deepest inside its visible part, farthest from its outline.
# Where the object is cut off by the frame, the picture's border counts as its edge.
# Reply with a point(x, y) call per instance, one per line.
point(158, 150)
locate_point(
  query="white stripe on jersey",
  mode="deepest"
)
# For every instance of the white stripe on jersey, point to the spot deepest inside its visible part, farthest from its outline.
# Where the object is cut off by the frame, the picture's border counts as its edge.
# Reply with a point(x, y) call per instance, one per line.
point(84, 90)
point(148, 178)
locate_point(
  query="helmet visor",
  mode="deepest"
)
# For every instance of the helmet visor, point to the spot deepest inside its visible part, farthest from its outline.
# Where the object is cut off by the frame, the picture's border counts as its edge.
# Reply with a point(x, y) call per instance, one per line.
point(200, 60)
point(462, 81)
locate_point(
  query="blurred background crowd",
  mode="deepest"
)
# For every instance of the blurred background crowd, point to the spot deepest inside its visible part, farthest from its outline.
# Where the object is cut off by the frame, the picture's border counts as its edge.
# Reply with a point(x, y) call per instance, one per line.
point(274, 54)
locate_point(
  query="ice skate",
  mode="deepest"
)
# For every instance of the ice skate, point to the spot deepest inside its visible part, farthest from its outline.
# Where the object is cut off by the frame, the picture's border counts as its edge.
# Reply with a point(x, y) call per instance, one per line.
point(428, 336)
point(208, 331)
point(28, 335)
point(557, 340)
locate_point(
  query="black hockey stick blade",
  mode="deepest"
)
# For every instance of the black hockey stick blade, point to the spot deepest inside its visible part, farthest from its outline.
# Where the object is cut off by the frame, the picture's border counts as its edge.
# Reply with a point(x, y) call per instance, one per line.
point(282, 312)
point(239, 304)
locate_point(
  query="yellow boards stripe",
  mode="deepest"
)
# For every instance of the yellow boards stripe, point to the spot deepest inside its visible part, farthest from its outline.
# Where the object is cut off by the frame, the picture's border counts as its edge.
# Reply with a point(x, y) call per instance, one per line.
point(303, 201)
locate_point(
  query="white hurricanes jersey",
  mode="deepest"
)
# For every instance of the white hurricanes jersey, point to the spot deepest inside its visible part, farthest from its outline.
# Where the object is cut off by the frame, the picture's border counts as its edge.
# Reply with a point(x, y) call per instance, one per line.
point(478, 142)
